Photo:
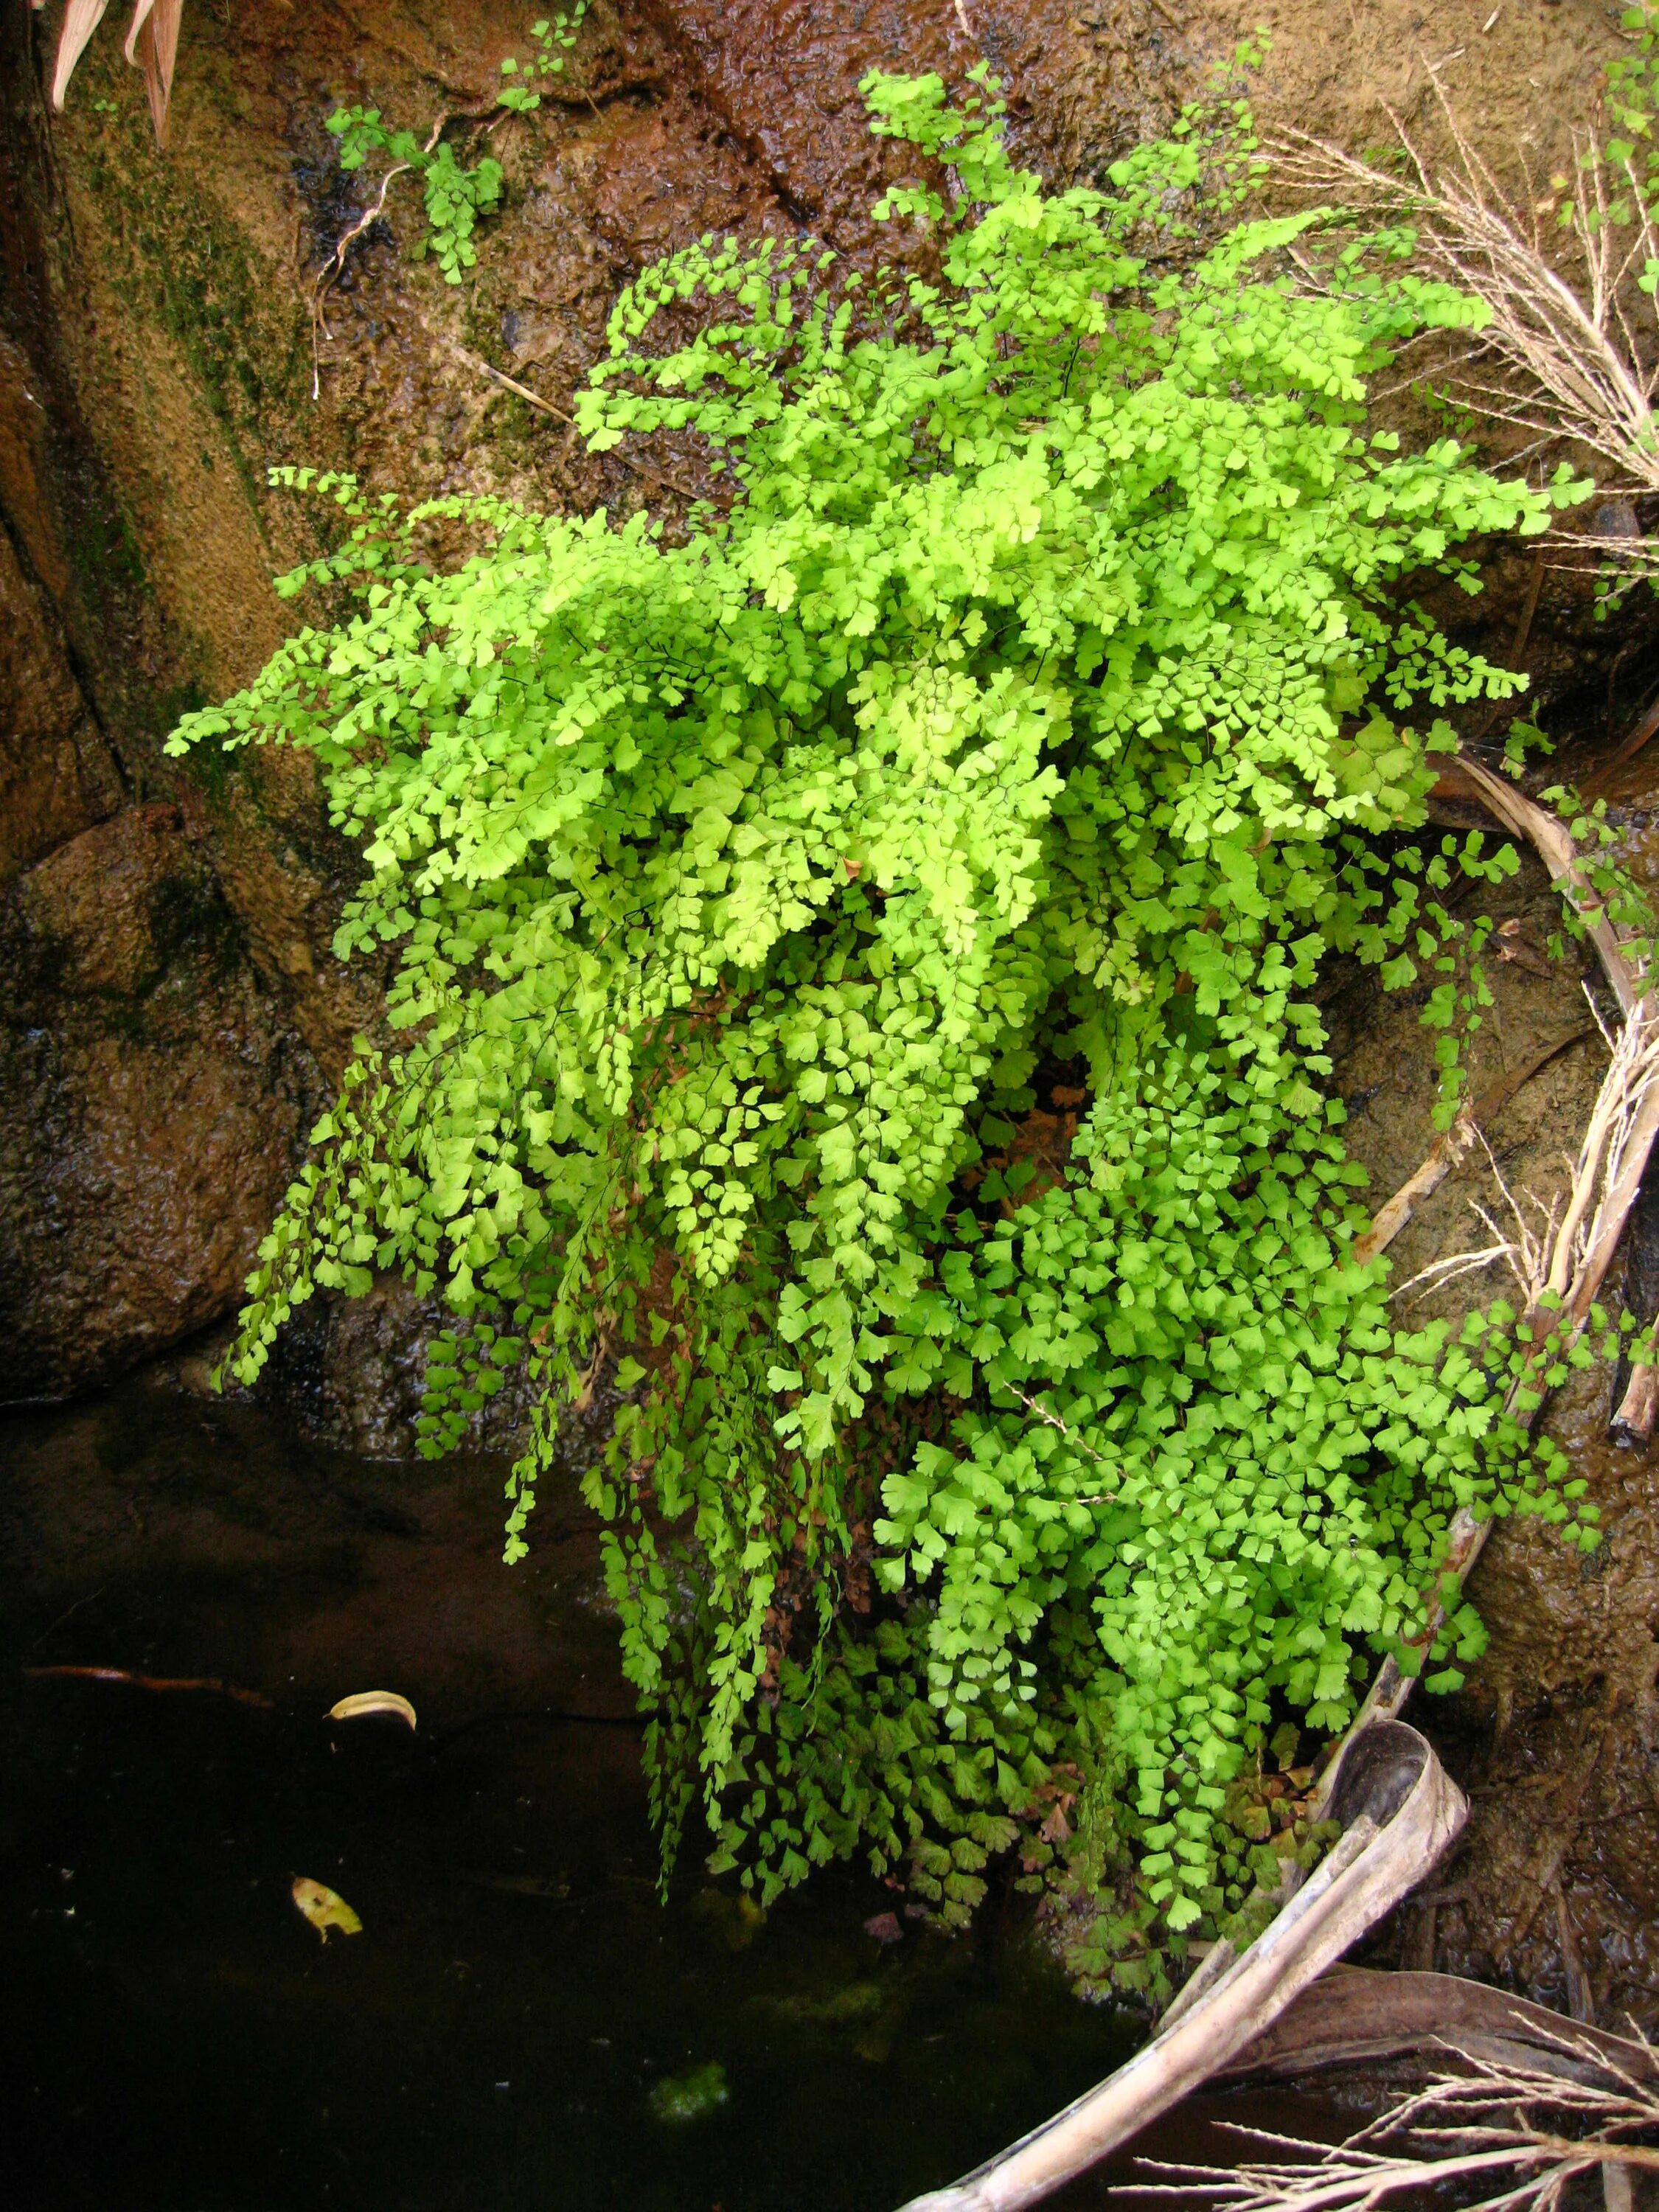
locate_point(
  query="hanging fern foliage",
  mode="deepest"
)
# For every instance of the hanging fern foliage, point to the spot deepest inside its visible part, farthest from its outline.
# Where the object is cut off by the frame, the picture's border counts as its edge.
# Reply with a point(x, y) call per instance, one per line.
point(1041, 698)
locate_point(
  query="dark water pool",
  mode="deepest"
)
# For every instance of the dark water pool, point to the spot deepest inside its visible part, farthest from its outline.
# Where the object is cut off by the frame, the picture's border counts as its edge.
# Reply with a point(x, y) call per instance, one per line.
point(174, 2038)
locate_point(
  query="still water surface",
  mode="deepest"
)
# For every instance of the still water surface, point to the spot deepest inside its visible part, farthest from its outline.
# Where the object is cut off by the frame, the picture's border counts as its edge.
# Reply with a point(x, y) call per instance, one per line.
point(174, 2038)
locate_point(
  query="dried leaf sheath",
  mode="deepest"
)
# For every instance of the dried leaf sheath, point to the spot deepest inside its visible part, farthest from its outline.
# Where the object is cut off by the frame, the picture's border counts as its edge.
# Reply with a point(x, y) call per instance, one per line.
point(152, 46)
point(81, 19)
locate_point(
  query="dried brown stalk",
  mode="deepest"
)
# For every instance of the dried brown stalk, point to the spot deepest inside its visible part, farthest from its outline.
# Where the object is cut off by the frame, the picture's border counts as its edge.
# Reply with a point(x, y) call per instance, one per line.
point(334, 268)
point(1561, 1275)
point(1604, 771)
point(159, 1682)
point(81, 19)
point(1523, 2129)
point(546, 407)
point(1468, 778)
point(1565, 357)
point(1452, 1146)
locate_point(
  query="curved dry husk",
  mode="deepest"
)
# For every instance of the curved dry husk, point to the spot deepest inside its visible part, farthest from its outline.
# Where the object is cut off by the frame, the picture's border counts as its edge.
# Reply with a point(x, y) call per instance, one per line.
point(1355, 2016)
point(1398, 1811)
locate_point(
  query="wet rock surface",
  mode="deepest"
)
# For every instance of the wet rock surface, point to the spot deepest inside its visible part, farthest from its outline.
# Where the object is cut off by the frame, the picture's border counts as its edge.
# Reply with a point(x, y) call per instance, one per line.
point(152, 1104)
point(165, 341)
point(1551, 1891)
point(162, 342)
point(56, 774)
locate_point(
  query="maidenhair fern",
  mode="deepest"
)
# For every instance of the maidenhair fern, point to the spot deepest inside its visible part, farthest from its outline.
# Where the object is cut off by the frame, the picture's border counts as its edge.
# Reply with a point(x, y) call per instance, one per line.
point(1039, 697)
point(454, 194)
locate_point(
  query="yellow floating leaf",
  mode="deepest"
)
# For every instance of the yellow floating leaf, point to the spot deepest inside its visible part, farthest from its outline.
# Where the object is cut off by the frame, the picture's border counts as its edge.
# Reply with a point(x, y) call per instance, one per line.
point(324, 1908)
point(365, 1702)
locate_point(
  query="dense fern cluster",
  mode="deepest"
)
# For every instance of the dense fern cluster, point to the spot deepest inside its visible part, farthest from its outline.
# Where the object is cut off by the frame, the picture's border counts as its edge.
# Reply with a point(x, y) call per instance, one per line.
point(1037, 697)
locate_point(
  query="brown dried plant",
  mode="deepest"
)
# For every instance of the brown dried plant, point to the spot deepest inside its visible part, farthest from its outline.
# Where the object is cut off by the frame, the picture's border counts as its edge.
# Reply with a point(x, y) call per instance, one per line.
point(1570, 350)
point(1510, 2134)
point(152, 44)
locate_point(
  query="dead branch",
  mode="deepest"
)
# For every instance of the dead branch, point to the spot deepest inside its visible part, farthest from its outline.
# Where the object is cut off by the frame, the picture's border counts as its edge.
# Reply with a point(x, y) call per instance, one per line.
point(1633, 1423)
point(1517, 2124)
point(1365, 2016)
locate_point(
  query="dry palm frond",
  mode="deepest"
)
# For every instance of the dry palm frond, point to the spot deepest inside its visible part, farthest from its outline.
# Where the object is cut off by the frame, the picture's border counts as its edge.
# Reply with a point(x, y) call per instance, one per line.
point(81, 19)
point(1523, 2131)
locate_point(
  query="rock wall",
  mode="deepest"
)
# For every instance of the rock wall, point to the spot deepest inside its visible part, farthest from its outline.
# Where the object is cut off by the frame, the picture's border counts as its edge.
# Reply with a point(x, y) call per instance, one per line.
point(161, 344)
point(171, 1014)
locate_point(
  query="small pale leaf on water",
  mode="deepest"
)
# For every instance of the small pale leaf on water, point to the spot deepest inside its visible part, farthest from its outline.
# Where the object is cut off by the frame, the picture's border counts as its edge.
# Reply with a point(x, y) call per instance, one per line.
point(365, 1702)
point(324, 1908)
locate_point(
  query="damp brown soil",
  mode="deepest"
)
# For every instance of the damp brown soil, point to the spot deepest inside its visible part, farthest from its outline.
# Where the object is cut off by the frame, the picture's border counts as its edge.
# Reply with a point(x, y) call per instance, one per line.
point(522, 2012)
point(1553, 1888)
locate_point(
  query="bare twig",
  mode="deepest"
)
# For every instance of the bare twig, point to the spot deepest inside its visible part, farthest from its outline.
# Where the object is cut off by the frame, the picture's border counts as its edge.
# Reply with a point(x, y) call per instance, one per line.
point(159, 1682)
point(1518, 642)
point(1573, 357)
point(334, 268)
point(1561, 1272)
point(1571, 344)
point(1447, 1150)
point(546, 407)
point(1517, 2127)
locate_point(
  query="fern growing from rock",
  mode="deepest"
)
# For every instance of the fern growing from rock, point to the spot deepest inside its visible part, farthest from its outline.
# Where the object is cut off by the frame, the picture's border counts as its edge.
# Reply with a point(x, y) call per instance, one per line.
point(1040, 697)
